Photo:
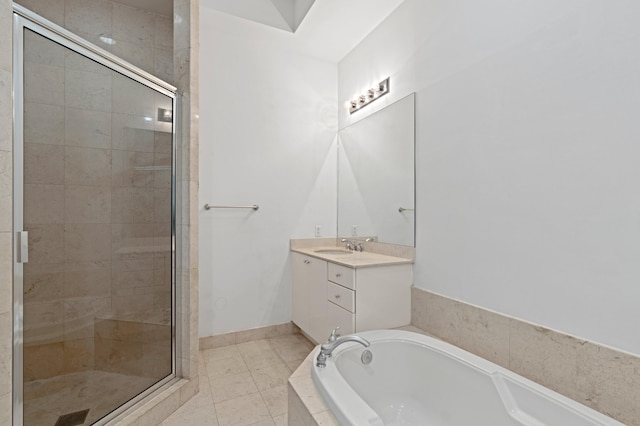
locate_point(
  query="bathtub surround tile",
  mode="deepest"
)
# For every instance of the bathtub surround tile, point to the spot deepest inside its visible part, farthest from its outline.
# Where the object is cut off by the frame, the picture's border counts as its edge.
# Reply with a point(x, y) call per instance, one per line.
point(485, 334)
point(306, 390)
point(439, 318)
point(599, 377)
point(544, 356)
point(326, 418)
point(297, 413)
point(609, 381)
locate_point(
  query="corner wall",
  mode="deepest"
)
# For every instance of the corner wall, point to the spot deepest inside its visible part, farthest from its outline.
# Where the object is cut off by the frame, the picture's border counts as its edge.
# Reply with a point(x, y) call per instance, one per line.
point(268, 138)
point(527, 200)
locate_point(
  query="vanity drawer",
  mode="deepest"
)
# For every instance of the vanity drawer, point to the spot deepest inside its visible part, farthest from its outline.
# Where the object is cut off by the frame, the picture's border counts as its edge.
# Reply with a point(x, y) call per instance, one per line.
point(341, 275)
point(338, 317)
point(341, 296)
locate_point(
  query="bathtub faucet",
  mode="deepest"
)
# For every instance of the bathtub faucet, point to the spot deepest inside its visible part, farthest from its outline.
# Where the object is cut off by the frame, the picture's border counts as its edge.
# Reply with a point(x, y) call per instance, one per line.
point(327, 348)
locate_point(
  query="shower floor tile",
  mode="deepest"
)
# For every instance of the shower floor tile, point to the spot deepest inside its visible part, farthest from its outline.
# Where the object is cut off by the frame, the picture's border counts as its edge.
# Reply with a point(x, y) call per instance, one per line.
point(98, 391)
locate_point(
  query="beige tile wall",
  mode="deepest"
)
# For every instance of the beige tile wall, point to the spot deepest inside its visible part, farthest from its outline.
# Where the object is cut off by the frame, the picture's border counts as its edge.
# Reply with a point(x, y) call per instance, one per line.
point(140, 37)
point(99, 219)
point(91, 19)
point(602, 378)
point(6, 179)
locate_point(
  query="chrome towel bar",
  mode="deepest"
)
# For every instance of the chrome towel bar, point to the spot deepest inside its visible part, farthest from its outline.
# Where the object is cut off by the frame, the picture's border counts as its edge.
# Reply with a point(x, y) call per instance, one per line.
point(209, 207)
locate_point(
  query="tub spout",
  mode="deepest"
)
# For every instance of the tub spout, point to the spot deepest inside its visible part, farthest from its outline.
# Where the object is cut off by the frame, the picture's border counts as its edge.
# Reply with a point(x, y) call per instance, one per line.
point(327, 348)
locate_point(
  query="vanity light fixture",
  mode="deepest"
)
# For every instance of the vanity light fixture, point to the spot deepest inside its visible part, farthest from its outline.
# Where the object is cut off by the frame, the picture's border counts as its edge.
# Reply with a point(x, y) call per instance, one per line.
point(372, 94)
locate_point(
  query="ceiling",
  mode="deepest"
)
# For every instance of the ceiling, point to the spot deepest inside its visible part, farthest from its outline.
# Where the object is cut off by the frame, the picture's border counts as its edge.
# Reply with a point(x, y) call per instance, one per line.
point(282, 14)
point(328, 29)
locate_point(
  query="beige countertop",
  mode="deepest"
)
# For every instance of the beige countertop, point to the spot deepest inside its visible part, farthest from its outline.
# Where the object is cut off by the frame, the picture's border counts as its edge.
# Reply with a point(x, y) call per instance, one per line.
point(354, 259)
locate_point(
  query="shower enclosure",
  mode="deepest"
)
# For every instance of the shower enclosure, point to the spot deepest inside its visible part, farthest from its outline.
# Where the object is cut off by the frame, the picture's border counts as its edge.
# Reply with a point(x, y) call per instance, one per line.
point(94, 215)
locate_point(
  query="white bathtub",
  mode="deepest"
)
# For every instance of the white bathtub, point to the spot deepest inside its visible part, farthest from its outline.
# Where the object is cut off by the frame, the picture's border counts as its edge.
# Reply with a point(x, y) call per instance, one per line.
point(417, 380)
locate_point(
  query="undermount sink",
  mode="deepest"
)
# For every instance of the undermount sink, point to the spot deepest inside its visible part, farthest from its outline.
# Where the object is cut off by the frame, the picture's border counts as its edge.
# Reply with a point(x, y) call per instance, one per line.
point(333, 251)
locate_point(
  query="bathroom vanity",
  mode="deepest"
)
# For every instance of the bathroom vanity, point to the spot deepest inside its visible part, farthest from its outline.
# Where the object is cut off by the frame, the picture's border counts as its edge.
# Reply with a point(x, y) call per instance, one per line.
point(356, 291)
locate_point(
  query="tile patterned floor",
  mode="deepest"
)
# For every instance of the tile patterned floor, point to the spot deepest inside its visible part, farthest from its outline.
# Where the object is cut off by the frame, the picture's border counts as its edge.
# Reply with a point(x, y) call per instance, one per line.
point(244, 384)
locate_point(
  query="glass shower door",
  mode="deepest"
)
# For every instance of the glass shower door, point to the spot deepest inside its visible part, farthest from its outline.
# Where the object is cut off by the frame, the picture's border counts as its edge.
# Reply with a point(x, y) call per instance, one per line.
point(97, 181)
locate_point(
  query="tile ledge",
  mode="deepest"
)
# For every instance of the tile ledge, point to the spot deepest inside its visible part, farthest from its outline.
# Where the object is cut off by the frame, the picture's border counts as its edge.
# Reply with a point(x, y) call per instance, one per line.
point(152, 402)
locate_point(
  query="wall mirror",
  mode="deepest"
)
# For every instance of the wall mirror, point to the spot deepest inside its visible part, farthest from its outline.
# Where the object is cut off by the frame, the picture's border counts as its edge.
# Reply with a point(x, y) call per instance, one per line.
point(376, 176)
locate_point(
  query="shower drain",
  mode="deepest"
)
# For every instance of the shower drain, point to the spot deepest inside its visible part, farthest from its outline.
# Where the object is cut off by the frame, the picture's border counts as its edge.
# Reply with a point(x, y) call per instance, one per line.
point(72, 419)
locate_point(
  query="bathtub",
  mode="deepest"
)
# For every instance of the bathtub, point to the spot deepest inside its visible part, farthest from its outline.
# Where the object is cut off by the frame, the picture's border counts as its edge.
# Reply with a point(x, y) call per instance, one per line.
point(418, 380)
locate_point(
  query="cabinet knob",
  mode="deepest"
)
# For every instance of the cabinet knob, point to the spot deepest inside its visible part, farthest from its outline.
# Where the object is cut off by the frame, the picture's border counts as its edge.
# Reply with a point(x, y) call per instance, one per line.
point(337, 296)
point(338, 275)
point(306, 262)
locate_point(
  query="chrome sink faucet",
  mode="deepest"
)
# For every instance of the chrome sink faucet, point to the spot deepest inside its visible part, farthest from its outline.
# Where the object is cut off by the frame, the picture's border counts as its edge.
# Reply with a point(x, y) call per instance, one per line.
point(327, 348)
point(352, 245)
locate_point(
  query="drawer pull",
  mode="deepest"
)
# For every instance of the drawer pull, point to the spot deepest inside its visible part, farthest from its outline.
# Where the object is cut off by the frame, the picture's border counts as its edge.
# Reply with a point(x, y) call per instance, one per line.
point(306, 261)
point(337, 296)
point(338, 275)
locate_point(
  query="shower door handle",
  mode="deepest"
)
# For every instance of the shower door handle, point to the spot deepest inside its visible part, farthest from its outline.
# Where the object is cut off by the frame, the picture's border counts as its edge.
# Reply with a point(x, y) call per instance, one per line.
point(23, 247)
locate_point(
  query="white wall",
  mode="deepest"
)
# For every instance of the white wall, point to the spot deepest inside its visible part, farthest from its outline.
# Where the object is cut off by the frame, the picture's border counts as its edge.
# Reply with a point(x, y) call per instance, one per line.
point(528, 199)
point(268, 126)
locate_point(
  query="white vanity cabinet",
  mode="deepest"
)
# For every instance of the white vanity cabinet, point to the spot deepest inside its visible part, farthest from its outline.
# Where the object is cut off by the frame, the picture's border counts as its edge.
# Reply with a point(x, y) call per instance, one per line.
point(309, 308)
point(328, 294)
